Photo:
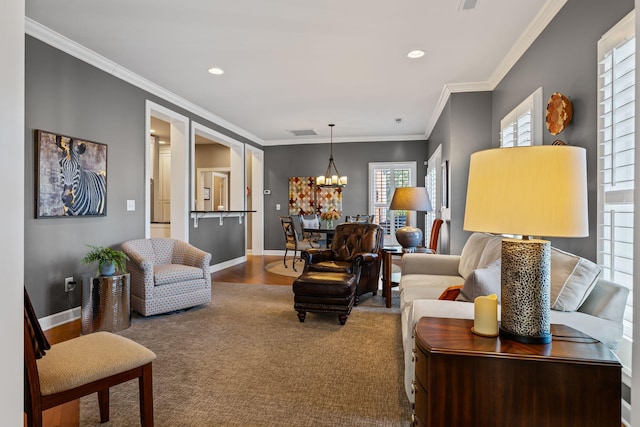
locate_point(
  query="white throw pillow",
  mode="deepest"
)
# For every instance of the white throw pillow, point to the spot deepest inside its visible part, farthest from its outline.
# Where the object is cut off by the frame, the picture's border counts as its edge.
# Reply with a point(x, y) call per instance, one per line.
point(572, 280)
point(472, 252)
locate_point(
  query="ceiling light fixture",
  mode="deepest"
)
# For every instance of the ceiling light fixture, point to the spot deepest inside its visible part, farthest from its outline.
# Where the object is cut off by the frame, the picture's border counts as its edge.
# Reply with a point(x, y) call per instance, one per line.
point(332, 177)
point(217, 71)
point(152, 131)
point(415, 54)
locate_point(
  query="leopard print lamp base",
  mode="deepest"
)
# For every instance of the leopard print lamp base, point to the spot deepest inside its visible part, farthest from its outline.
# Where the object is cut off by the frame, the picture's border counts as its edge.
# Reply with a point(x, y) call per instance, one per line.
point(525, 290)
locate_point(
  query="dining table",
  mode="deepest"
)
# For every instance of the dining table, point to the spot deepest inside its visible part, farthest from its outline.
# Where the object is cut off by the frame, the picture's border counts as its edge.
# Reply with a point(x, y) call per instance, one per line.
point(326, 231)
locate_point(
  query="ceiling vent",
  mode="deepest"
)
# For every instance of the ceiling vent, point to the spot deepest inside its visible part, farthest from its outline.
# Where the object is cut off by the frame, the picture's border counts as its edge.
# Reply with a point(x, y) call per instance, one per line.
point(468, 4)
point(303, 132)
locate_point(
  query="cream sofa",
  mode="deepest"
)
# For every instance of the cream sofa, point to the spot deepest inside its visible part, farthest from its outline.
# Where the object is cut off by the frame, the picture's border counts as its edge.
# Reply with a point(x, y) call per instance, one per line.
point(579, 298)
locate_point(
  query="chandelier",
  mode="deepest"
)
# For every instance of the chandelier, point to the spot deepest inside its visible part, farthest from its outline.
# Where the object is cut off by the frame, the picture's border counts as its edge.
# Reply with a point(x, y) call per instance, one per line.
point(331, 177)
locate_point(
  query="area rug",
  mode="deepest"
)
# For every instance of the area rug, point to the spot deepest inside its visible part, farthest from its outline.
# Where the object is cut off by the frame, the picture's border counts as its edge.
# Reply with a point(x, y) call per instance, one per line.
point(277, 267)
point(246, 360)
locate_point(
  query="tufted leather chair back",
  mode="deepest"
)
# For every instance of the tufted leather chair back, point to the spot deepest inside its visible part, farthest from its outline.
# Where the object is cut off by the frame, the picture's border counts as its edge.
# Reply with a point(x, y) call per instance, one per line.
point(351, 239)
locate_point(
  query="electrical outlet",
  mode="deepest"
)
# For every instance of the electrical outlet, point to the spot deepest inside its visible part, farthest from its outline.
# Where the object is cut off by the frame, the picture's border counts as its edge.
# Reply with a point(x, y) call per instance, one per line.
point(69, 284)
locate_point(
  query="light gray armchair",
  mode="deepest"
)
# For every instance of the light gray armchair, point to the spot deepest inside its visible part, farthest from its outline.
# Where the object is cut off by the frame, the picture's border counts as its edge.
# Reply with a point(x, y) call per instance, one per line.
point(167, 275)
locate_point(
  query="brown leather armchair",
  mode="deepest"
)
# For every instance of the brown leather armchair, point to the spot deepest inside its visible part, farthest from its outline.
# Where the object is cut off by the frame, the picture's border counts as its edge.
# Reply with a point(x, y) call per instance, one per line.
point(355, 249)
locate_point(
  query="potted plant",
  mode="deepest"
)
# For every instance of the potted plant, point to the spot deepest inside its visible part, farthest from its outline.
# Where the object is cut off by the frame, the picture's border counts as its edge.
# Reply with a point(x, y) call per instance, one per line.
point(108, 260)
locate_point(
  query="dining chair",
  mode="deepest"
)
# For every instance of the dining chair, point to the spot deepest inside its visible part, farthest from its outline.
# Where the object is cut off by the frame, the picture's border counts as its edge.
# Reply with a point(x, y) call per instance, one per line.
point(63, 372)
point(292, 239)
point(435, 235)
point(312, 221)
point(360, 219)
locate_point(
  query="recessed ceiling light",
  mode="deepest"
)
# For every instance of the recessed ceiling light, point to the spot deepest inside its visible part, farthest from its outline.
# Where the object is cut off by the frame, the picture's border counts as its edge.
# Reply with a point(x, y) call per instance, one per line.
point(162, 142)
point(216, 70)
point(415, 54)
point(152, 131)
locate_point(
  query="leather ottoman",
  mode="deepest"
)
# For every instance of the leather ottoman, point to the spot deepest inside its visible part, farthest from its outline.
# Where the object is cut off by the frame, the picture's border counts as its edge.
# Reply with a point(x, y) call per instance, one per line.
point(324, 292)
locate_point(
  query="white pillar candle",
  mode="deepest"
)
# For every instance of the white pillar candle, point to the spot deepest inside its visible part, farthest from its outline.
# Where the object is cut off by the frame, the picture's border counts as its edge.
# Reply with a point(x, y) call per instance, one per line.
point(485, 315)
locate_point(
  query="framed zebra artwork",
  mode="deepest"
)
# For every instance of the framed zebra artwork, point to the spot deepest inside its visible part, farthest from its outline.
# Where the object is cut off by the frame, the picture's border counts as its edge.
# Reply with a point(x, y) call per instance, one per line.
point(71, 176)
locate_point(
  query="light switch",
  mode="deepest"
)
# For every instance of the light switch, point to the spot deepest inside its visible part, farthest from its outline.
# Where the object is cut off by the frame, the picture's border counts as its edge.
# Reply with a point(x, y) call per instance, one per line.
point(131, 205)
point(277, 206)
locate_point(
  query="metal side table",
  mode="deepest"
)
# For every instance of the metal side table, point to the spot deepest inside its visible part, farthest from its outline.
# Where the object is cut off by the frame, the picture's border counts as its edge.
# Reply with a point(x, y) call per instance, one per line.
point(106, 303)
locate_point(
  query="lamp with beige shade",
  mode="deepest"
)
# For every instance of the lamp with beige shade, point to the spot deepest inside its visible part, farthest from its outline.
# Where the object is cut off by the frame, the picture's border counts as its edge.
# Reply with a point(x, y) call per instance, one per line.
point(410, 199)
point(527, 191)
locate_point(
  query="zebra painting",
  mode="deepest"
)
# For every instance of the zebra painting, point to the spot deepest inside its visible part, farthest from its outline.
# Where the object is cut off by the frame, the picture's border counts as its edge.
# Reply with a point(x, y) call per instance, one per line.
point(83, 191)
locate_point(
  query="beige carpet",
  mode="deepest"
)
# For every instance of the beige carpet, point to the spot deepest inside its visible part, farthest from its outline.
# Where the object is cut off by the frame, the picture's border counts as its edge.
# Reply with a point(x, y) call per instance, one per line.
point(278, 267)
point(246, 360)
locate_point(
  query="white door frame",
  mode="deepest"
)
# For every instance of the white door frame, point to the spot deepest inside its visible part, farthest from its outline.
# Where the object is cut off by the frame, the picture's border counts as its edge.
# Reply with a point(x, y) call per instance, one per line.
point(236, 165)
point(257, 198)
point(179, 126)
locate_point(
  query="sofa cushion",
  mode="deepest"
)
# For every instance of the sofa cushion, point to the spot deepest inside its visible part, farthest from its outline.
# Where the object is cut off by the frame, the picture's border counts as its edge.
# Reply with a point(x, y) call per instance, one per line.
point(481, 282)
point(492, 252)
point(171, 273)
point(424, 286)
point(572, 279)
point(473, 252)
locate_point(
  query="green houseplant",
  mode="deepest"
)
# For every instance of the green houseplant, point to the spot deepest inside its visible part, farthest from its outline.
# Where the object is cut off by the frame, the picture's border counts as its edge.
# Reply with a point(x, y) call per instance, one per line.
point(108, 260)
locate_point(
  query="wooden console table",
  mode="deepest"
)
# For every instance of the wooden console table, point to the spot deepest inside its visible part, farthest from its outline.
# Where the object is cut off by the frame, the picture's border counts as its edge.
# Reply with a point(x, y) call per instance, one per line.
point(466, 380)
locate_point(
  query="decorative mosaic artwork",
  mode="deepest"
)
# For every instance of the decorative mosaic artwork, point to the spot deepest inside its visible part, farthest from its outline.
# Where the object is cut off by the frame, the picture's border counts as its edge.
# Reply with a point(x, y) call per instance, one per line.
point(306, 198)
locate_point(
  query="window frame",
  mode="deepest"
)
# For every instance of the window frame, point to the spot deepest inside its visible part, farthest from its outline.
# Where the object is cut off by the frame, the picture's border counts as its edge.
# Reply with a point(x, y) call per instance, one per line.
point(532, 105)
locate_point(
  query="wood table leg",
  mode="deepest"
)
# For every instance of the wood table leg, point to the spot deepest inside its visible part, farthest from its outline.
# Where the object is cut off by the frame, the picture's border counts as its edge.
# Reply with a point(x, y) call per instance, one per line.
point(387, 261)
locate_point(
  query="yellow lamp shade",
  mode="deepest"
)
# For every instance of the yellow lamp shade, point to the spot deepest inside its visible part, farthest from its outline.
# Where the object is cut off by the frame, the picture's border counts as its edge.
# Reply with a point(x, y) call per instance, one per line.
point(529, 191)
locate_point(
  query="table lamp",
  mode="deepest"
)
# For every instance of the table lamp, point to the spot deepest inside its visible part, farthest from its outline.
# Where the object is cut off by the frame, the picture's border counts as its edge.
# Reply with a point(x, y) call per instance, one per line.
point(410, 199)
point(527, 191)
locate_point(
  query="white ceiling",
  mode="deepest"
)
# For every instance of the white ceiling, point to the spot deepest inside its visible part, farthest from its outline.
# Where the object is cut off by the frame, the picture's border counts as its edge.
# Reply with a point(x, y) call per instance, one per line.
point(301, 64)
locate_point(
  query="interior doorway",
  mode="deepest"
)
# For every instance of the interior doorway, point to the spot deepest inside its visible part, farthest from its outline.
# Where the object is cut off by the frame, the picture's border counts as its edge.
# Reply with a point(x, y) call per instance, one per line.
point(166, 172)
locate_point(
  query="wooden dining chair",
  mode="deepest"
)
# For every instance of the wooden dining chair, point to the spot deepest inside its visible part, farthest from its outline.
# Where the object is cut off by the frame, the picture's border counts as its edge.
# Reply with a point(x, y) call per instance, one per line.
point(60, 373)
point(435, 235)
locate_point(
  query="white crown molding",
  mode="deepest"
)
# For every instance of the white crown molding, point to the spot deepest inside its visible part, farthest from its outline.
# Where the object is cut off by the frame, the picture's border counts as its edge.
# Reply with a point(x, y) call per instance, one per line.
point(447, 90)
point(343, 139)
point(529, 35)
point(57, 40)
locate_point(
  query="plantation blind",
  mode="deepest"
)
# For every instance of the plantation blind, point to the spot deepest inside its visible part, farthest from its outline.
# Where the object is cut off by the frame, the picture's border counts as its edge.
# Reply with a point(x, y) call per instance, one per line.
point(616, 153)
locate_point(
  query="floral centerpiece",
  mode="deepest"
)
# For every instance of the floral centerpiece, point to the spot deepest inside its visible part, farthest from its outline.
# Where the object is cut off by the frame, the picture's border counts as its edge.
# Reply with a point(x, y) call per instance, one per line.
point(330, 216)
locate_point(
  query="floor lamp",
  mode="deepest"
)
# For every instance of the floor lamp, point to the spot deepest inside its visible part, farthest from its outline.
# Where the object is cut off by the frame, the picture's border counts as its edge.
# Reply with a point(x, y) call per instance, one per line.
point(527, 191)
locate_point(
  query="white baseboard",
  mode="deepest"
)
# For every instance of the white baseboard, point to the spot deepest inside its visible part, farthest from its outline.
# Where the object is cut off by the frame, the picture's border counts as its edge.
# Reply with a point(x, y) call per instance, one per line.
point(274, 252)
point(60, 318)
point(626, 413)
point(57, 319)
point(227, 264)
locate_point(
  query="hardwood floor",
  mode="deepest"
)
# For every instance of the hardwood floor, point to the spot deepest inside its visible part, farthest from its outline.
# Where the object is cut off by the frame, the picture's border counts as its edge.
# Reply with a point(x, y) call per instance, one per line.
point(252, 271)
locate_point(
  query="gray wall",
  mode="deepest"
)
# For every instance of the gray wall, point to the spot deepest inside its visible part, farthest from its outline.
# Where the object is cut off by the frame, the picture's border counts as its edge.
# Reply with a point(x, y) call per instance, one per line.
point(352, 159)
point(463, 128)
point(67, 96)
point(564, 59)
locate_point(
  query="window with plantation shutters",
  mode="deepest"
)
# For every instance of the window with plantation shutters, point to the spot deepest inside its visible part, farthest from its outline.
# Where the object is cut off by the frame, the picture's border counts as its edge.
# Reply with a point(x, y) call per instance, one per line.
point(523, 125)
point(384, 178)
point(616, 161)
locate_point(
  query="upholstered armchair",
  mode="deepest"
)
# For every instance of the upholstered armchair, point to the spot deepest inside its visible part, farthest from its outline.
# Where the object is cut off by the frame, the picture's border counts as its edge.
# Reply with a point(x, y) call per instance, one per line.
point(167, 275)
point(355, 249)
